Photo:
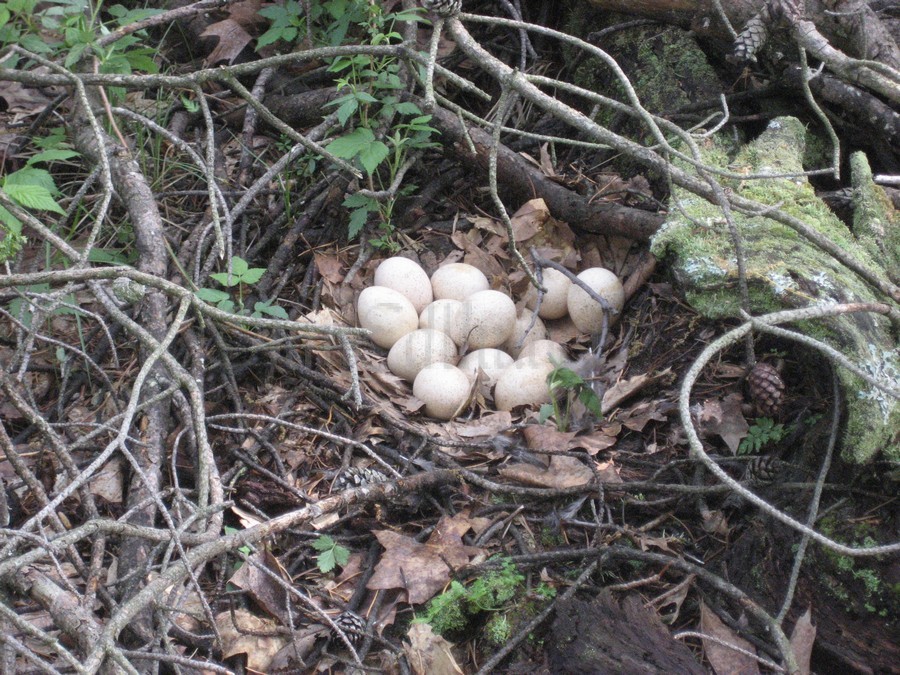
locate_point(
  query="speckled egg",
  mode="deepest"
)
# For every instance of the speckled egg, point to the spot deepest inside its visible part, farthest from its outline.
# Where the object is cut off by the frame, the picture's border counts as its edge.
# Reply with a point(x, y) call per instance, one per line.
point(440, 315)
point(523, 383)
point(538, 332)
point(486, 319)
point(420, 348)
point(554, 304)
point(387, 313)
point(407, 278)
point(491, 361)
point(443, 388)
point(586, 313)
point(458, 281)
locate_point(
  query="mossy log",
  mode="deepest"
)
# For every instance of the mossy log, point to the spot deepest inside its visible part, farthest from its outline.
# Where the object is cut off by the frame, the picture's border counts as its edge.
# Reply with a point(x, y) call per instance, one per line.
point(785, 271)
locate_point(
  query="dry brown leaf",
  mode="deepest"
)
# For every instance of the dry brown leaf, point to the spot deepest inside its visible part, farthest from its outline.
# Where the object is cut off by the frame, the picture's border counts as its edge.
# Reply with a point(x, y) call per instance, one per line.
point(715, 522)
point(487, 426)
point(529, 219)
point(562, 472)
point(24, 100)
point(422, 569)
point(725, 419)
point(429, 654)
point(108, 482)
point(599, 439)
point(802, 638)
point(294, 653)
point(545, 437)
point(236, 630)
point(232, 40)
point(329, 266)
point(268, 593)
point(625, 389)
point(547, 162)
point(472, 243)
point(724, 660)
point(639, 415)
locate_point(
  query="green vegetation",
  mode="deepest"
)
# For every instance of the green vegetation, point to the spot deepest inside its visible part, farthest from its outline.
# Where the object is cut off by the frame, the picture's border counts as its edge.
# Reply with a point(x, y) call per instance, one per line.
point(240, 277)
point(763, 432)
point(380, 130)
point(567, 387)
point(331, 554)
point(460, 606)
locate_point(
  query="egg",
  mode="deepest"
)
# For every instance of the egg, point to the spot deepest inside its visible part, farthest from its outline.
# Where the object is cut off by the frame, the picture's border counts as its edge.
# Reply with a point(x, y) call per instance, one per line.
point(407, 278)
point(546, 350)
point(518, 335)
point(443, 388)
point(440, 315)
point(554, 304)
point(458, 281)
point(491, 361)
point(486, 319)
point(420, 348)
point(586, 313)
point(387, 313)
point(523, 383)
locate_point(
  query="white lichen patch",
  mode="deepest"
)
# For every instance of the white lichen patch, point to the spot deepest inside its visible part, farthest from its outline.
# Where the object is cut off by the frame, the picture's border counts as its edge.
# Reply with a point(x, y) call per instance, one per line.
point(781, 283)
point(884, 367)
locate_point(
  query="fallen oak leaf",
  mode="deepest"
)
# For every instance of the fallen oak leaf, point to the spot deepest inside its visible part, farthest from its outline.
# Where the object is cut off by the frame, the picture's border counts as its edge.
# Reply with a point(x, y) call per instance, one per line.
point(422, 570)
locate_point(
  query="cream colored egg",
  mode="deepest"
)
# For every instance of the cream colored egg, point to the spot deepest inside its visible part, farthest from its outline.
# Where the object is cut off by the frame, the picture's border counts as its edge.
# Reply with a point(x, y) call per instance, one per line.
point(523, 383)
point(458, 281)
point(545, 350)
point(554, 304)
point(586, 313)
point(407, 278)
point(387, 313)
point(486, 319)
point(491, 361)
point(518, 339)
point(418, 349)
point(443, 388)
point(440, 315)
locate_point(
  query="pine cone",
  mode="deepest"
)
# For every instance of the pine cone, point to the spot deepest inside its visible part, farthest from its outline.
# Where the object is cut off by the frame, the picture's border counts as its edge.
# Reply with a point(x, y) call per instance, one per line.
point(766, 389)
point(765, 469)
point(443, 8)
point(355, 477)
point(352, 625)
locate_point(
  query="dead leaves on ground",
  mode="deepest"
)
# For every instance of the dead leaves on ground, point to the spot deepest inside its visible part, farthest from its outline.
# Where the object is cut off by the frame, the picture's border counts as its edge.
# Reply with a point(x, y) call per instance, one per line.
point(423, 570)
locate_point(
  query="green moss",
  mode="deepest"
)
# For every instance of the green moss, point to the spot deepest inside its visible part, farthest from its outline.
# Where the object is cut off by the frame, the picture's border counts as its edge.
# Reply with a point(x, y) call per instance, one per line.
point(459, 607)
point(786, 271)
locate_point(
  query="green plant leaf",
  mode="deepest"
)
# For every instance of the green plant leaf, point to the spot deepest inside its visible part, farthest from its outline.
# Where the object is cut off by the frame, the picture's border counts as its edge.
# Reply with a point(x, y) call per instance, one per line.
point(238, 266)
point(223, 279)
point(252, 275)
point(53, 155)
point(33, 197)
point(589, 400)
point(350, 145)
point(341, 555)
point(326, 561)
point(271, 310)
point(211, 295)
point(373, 155)
point(357, 222)
point(545, 412)
point(107, 256)
point(31, 176)
point(324, 543)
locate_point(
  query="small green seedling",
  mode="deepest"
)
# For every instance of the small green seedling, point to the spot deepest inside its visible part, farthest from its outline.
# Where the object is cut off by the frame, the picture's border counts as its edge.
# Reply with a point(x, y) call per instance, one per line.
point(331, 554)
point(567, 387)
point(241, 276)
point(763, 432)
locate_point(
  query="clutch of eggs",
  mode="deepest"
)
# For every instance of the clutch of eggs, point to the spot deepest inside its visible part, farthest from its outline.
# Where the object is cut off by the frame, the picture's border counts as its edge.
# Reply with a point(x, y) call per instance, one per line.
point(425, 323)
